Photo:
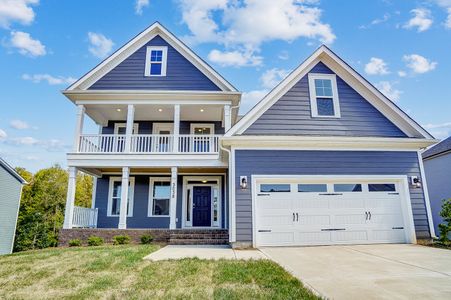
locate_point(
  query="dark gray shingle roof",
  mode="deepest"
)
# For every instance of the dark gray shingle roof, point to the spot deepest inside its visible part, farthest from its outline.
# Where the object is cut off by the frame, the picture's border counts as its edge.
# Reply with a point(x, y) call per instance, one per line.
point(440, 148)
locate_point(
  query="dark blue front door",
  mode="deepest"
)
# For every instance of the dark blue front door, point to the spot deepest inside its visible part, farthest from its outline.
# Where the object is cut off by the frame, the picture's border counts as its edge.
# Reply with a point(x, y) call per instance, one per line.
point(201, 206)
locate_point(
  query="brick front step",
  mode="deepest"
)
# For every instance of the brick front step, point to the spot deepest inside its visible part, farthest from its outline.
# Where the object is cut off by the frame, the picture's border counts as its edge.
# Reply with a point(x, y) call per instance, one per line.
point(172, 236)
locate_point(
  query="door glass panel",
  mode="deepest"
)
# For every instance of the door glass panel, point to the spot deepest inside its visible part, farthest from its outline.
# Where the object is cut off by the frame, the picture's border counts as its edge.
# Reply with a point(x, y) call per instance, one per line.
point(382, 187)
point(347, 187)
point(215, 204)
point(312, 188)
point(274, 188)
point(188, 205)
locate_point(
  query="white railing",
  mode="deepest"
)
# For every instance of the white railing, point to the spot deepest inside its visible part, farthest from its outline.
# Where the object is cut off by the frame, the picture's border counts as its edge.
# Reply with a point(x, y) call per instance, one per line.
point(85, 217)
point(150, 143)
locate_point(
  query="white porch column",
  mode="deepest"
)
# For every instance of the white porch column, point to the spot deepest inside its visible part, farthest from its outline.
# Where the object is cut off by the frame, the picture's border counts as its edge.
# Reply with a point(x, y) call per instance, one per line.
point(227, 118)
point(79, 126)
point(70, 199)
point(129, 126)
point(124, 198)
point(173, 201)
point(176, 127)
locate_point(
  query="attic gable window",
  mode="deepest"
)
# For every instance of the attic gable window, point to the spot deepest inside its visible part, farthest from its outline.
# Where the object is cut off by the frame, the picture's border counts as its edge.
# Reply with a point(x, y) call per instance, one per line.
point(156, 58)
point(324, 96)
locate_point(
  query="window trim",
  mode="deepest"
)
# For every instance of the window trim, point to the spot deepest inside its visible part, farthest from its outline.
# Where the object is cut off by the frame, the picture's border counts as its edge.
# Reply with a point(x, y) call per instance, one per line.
point(206, 125)
point(150, 200)
point(313, 97)
point(131, 192)
point(149, 50)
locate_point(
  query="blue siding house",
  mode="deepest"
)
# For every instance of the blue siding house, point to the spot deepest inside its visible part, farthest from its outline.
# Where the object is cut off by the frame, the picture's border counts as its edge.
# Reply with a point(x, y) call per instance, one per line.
point(323, 159)
point(437, 166)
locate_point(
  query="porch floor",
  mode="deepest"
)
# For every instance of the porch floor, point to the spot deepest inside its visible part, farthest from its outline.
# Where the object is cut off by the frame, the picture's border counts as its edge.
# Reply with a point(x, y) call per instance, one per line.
point(214, 252)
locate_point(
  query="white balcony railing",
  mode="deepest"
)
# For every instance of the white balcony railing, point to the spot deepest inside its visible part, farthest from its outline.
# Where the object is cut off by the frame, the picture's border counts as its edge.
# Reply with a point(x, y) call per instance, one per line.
point(149, 143)
point(85, 217)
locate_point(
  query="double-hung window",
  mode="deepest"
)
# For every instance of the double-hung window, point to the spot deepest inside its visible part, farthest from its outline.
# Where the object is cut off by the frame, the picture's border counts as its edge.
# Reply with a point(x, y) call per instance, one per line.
point(115, 195)
point(324, 95)
point(159, 197)
point(156, 58)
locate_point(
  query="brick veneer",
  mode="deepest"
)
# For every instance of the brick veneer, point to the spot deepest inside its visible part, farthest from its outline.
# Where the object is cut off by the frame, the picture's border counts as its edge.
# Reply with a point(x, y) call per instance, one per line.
point(174, 236)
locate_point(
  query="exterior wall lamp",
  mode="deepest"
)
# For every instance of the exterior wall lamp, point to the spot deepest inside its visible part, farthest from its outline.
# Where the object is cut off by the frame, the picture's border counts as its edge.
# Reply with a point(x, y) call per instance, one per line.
point(415, 181)
point(243, 182)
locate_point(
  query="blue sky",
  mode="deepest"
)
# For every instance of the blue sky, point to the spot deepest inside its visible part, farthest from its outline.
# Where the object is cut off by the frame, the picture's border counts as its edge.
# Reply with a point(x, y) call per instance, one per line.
point(402, 47)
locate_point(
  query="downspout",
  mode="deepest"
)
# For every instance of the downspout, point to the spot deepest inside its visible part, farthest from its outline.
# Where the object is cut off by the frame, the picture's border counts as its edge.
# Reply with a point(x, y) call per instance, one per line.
point(230, 191)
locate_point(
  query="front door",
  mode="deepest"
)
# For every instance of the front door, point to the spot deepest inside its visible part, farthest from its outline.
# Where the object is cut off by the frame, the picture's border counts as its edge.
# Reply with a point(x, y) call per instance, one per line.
point(202, 206)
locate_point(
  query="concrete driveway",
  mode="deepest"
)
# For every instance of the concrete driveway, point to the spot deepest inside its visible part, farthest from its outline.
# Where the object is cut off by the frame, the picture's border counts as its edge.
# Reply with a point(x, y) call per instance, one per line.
point(369, 271)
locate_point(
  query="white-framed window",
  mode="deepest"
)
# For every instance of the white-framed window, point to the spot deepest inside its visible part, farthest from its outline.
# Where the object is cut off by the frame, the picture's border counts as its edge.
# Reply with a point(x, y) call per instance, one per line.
point(156, 58)
point(159, 197)
point(120, 128)
point(202, 129)
point(115, 194)
point(324, 95)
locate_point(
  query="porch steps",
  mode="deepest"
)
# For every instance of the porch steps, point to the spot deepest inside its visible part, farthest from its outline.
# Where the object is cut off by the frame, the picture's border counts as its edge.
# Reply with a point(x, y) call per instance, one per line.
point(199, 237)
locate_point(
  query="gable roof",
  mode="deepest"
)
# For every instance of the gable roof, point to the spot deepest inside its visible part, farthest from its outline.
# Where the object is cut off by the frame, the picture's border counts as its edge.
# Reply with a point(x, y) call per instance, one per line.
point(11, 171)
point(137, 42)
point(440, 148)
point(351, 77)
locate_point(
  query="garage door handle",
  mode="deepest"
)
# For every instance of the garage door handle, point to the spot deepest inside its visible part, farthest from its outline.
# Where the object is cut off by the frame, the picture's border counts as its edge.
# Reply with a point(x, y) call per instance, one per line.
point(294, 217)
point(264, 231)
point(369, 214)
point(397, 227)
point(297, 217)
point(333, 229)
point(262, 194)
point(331, 194)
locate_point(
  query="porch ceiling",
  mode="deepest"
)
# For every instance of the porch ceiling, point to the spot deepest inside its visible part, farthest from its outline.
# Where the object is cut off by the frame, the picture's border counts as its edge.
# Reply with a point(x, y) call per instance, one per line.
point(190, 112)
point(193, 171)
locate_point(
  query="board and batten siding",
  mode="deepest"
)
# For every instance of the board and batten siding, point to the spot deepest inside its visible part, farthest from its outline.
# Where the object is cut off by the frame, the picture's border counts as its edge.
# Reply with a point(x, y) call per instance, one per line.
point(299, 162)
point(140, 219)
point(291, 114)
point(10, 189)
point(180, 73)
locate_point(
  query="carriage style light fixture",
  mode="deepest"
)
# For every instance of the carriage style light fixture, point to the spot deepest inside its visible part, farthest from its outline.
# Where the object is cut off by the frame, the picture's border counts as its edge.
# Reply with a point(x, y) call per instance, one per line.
point(243, 182)
point(415, 181)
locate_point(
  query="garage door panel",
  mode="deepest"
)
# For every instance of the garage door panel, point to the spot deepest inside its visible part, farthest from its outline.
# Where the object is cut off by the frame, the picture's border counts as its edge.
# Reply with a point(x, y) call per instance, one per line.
point(350, 218)
point(347, 202)
point(388, 235)
point(350, 236)
point(314, 220)
point(283, 238)
point(313, 238)
point(310, 203)
point(278, 203)
point(275, 220)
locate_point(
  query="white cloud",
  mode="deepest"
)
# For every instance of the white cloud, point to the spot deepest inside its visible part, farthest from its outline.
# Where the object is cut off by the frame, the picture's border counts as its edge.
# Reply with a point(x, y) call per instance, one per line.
point(402, 73)
point(376, 66)
point(26, 44)
point(16, 11)
point(389, 91)
point(24, 141)
point(52, 80)
point(3, 134)
point(376, 21)
point(19, 124)
point(272, 77)
point(234, 58)
point(239, 24)
point(284, 55)
point(441, 130)
point(249, 99)
point(139, 5)
point(100, 46)
point(422, 19)
point(419, 64)
point(448, 19)
point(446, 4)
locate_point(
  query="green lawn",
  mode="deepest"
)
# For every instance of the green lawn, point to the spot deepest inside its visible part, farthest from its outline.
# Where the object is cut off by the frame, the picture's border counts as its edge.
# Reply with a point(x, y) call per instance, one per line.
point(119, 272)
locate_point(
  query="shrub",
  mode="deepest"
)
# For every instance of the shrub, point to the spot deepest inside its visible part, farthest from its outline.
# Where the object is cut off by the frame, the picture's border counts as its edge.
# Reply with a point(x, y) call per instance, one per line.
point(146, 239)
point(95, 241)
point(75, 243)
point(121, 240)
point(445, 227)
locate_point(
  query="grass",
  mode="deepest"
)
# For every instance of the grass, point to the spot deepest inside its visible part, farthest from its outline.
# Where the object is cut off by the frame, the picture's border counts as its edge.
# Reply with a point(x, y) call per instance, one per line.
point(119, 272)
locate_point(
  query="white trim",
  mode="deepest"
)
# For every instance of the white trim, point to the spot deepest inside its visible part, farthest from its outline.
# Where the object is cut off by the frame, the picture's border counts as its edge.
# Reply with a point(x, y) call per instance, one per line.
point(232, 227)
point(427, 201)
point(137, 42)
point(173, 199)
point(163, 62)
point(187, 186)
point(124, 125)
point(314, 97)
point(351, 77)
point(131, 193)
point(94, 192)
point(205, 125)
point(150, 198)
point(401, 180)
point(70, 198)
point(156, 127)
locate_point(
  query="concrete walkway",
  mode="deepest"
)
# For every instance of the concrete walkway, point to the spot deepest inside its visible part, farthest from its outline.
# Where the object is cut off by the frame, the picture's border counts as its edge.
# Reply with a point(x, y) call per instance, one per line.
point(369, 271)
point(203, 252)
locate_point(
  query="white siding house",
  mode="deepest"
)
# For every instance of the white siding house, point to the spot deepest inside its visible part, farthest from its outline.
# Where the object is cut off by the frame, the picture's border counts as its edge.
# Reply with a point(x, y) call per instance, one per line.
point(10, 190)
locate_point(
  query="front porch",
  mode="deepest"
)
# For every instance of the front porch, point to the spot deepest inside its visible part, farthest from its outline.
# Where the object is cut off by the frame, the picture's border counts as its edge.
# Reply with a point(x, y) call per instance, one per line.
point(156, 199)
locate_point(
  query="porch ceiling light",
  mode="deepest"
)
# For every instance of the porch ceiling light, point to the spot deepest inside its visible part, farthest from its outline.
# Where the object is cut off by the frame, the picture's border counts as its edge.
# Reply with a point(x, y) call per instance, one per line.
point(160, 109)
point(118, 109)
point(204, 181)
point(201, 110)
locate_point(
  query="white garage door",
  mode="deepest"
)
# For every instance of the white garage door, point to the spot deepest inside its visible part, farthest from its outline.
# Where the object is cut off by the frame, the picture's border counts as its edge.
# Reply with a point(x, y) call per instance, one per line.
point(334, 211)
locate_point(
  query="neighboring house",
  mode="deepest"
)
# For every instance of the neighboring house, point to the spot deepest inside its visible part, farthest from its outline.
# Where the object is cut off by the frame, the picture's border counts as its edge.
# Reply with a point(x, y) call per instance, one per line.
point(437, 166)
point(324, 158)
point(10, 191)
